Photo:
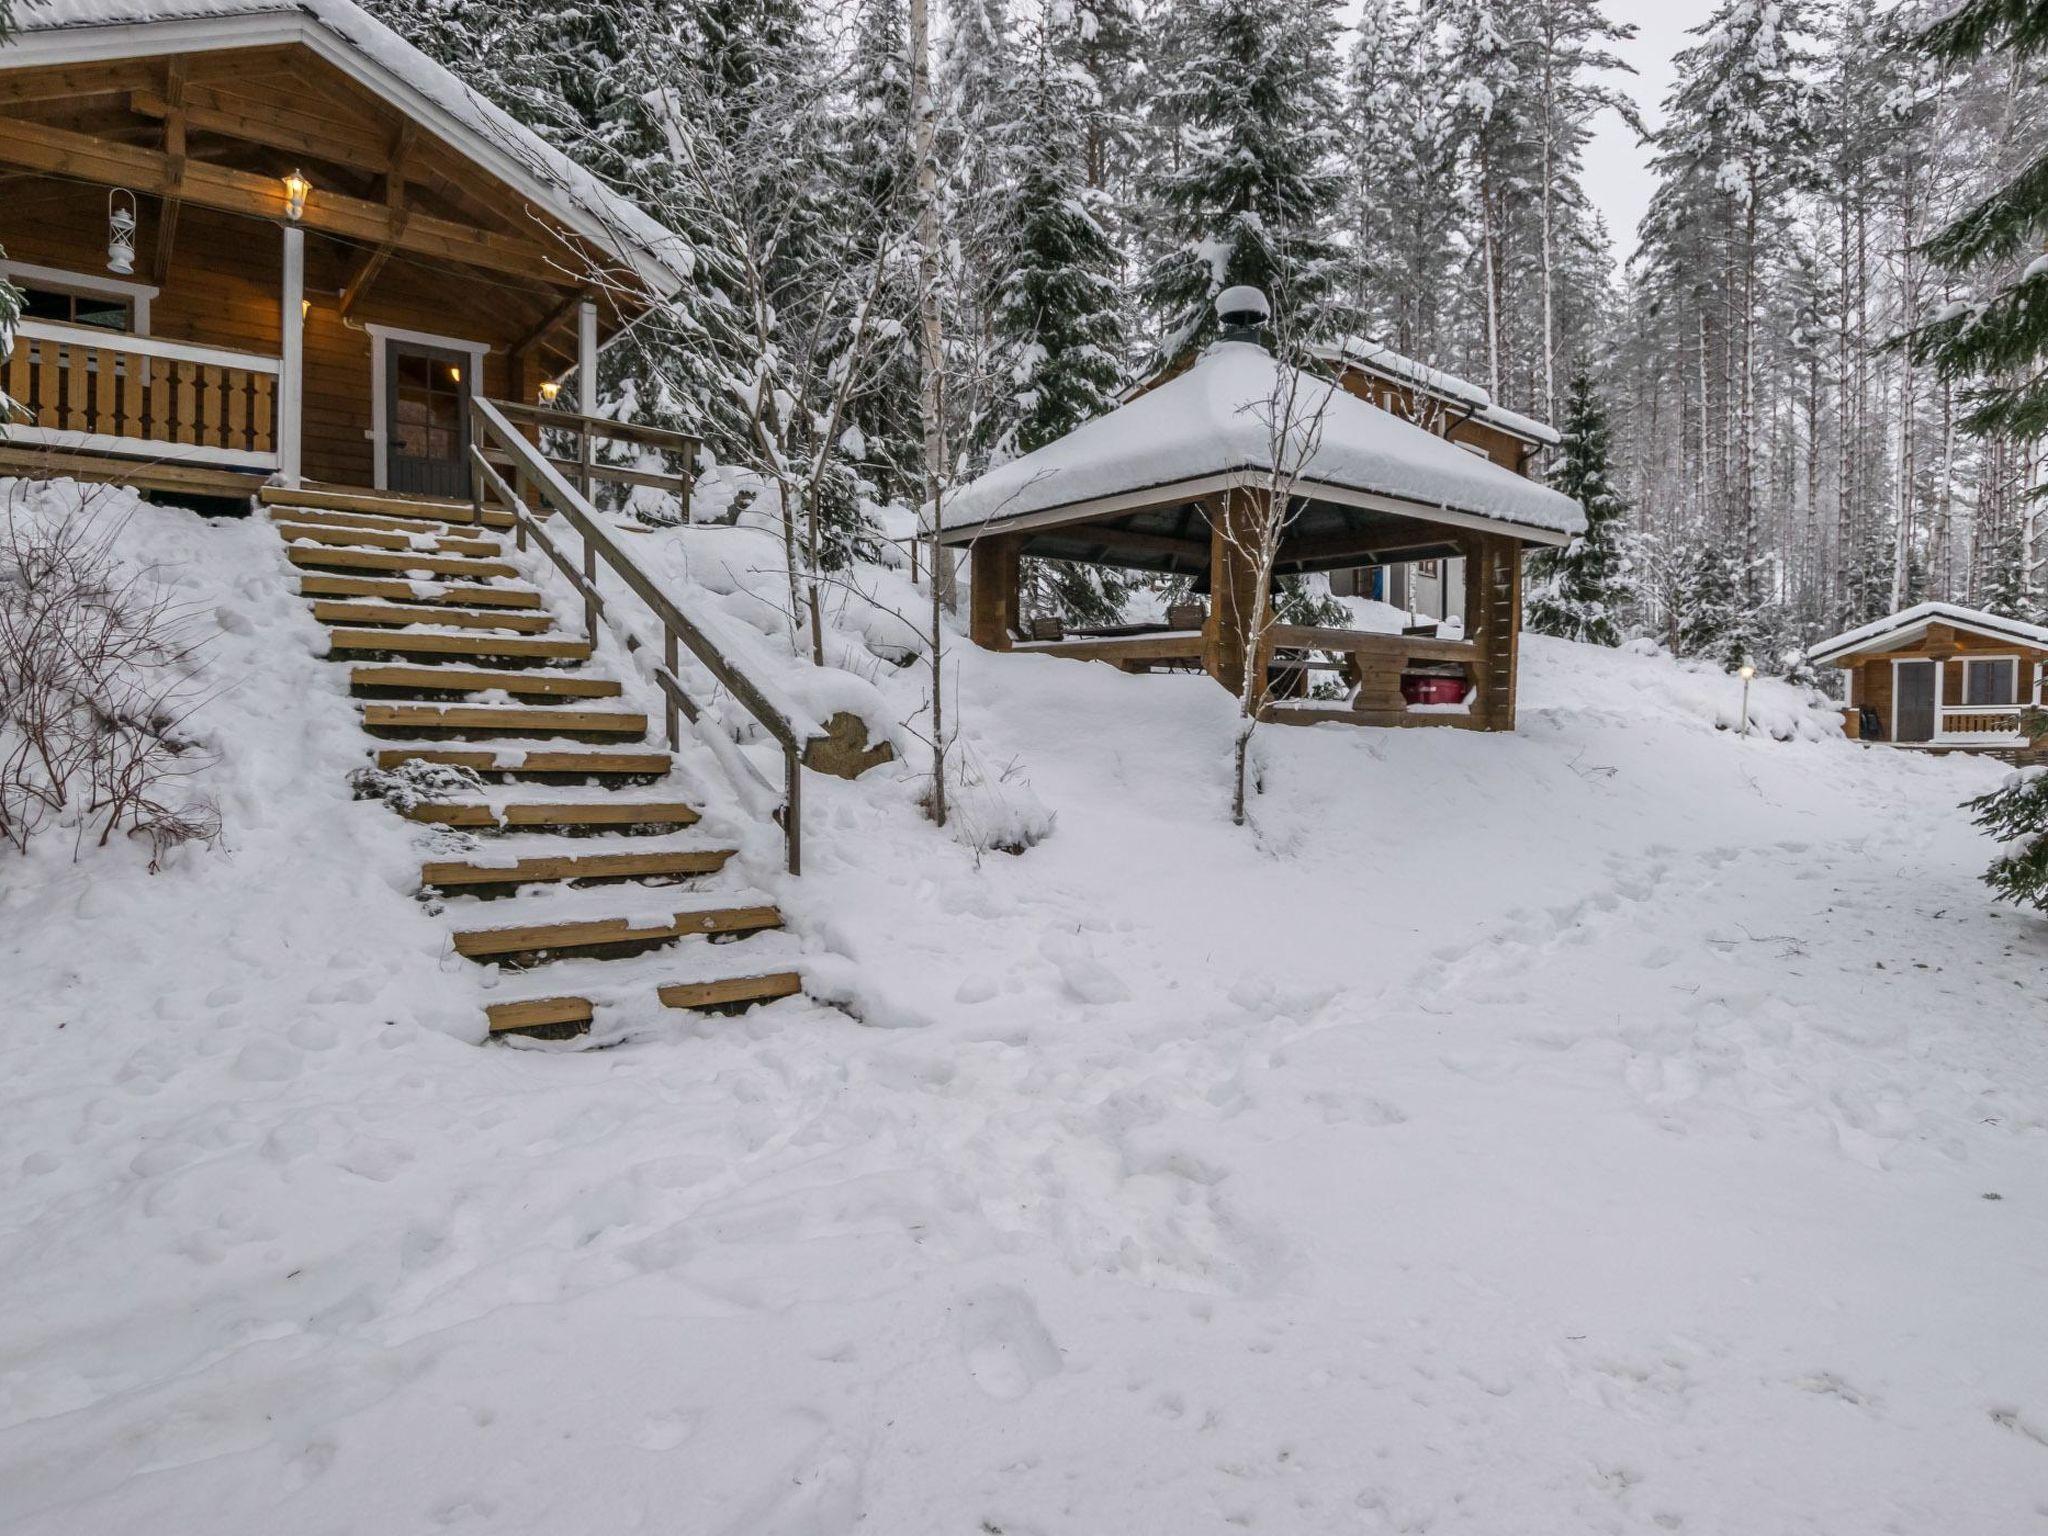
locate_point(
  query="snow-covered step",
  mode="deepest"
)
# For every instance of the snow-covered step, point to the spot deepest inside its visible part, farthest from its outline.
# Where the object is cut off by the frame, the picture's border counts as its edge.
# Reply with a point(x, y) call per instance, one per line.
point(397, 616)
point(416, 593)
point(520, 759)
point(331, 557)
point(313, 518)
point(610, 813)
point(423, 542)
point(635, 863)
point(502, 720)
point(765, 967)
point(571, 1015)
point(542, 650)
point(384, 505)
point(538, 683)
point(639, 927)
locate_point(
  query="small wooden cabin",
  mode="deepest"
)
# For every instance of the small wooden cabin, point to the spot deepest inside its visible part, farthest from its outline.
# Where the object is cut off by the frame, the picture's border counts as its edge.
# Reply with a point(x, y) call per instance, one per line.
point(1938, 677)
point(267, 239)
point(1182, 477)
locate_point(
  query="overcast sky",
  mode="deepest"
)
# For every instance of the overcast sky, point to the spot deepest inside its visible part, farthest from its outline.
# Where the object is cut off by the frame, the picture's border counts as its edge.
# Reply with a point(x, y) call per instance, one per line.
point(1617, 170)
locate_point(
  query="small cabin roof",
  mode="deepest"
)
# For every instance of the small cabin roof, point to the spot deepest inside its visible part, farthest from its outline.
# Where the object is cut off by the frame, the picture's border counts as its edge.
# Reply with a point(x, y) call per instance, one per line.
point(1369, 356)
point(72, 31)
point(1211, 427)
point(1897, 629)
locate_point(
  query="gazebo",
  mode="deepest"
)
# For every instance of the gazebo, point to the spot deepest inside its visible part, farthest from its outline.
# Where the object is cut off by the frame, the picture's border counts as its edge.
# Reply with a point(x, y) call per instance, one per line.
point(1188, 477)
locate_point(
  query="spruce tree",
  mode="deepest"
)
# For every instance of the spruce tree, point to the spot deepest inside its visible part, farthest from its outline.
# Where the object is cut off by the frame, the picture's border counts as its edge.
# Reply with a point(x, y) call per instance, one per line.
point(1581, 592)
point(2016, 814)
point(1250, 190)
point(1998, 343)
point(1054, 304)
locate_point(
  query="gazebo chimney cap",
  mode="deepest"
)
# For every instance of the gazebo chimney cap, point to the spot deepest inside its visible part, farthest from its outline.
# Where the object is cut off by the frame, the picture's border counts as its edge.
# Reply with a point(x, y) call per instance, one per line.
point(1242, 310)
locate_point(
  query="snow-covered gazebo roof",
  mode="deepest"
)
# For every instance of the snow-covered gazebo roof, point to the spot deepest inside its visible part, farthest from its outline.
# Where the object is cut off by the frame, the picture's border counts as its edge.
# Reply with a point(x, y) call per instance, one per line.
point(1901, 628)
point(80, 31)
point(1210, 429)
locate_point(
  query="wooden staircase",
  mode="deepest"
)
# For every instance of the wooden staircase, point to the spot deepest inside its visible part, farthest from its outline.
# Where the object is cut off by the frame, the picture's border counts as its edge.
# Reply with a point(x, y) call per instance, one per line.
point(581, 854)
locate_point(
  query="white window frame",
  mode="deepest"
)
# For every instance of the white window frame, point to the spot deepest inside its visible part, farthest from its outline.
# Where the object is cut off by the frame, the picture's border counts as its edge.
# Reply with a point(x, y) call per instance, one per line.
point(2012, 661)
point(95, 284)
point(380, 404)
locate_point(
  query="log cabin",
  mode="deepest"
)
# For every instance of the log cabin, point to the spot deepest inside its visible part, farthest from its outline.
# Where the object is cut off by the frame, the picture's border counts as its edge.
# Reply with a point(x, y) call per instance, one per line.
point(1182, 478)
point(1941, 678)
point(267, 240)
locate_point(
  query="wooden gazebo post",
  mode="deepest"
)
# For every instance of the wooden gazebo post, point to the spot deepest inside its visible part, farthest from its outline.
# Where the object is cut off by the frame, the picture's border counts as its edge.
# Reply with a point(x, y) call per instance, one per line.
point(1236, 605)
point(1493, 621)
point(994, 583)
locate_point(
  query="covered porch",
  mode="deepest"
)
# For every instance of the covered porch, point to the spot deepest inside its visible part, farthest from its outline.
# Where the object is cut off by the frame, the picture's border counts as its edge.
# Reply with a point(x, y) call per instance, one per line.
point(274, 243)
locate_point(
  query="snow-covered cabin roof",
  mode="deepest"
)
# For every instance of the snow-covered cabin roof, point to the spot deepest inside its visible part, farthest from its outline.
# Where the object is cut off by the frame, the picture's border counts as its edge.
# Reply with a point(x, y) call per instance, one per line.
point(1210, 427)
point(1899, 628)
point(76, 31)
point(1363, 353)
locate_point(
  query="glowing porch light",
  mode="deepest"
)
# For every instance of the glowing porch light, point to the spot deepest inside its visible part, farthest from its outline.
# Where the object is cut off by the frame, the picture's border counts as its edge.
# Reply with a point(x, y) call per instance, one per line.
point(549, 389)
point(295, 189)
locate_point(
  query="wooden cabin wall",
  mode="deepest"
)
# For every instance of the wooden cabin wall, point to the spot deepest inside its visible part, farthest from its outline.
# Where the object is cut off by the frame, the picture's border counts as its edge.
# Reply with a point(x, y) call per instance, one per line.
point(222, 290)
point(1508, 452)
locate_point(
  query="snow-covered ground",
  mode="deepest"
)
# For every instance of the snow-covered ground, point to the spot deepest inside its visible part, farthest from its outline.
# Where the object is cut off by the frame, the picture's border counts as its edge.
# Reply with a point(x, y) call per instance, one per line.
point(1619, 1126)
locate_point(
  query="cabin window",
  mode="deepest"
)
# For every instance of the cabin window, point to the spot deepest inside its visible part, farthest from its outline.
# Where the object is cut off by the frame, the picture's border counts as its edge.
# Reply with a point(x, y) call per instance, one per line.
point(1991, 680)
point(103, 312)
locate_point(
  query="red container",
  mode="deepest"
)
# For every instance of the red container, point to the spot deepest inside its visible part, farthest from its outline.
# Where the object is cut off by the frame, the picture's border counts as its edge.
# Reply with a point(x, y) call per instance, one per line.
point(1426, 688)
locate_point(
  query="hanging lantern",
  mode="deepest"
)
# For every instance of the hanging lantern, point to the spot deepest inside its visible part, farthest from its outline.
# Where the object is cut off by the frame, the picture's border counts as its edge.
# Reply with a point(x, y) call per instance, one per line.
point(121, 231)
point(548, 390)
point(295, 189)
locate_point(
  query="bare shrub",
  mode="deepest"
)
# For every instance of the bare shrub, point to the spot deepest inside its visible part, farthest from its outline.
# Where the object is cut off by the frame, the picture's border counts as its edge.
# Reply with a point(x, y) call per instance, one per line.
point(95, 689)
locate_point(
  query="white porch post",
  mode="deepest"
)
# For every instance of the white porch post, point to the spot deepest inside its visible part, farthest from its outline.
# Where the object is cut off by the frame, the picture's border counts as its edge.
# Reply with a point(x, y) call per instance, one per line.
point(292, 355)
point(586, 357)
point(1940, 676)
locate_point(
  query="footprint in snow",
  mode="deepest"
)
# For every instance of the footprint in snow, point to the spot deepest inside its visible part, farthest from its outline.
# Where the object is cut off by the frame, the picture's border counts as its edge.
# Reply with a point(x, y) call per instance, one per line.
point(1003, 1344)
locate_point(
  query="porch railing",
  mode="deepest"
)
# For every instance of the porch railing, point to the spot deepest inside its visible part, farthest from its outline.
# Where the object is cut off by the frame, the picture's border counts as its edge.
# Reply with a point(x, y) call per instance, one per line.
point(94, 391)
point(1971, 722)
point(537, 489)
point(584, 433)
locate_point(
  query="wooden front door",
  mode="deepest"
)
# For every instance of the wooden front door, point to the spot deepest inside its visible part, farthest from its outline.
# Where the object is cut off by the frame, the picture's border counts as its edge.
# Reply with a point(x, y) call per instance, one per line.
point(1914, 703)
point(427, 391)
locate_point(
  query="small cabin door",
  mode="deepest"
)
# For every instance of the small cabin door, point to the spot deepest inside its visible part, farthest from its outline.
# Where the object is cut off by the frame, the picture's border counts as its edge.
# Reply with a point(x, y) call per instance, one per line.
point(1913, 700)
point(427, 391)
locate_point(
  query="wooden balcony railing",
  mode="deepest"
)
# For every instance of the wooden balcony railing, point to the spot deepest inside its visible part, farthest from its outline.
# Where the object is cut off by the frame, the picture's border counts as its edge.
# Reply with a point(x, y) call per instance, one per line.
point(1970, 722)
point(96, 391)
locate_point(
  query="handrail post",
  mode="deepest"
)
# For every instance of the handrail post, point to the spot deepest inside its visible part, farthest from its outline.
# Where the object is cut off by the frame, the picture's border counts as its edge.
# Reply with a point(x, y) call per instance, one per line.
point(671, 658)
point(792, 809)
point(590, 590)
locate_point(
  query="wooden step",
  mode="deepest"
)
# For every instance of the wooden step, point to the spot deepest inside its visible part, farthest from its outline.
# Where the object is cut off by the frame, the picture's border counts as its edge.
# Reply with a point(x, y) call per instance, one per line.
point(379, 560)
point(403, 642)
point(384, 504)
point(502, 720)
point(398, 615)
point(538, 683)
point(309, 517)
point(607, 932)
point(454, 595)
point(572, 1014)
point(377, 538)
point(610, 814)
point(457, 873)
point(593, 764)
point(730, 991)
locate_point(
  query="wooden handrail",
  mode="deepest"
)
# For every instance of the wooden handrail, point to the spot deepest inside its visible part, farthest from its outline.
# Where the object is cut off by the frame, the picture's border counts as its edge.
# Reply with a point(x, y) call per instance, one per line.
point(491, 426)
point(101, 339)
point(634, 432)
point(1420, 647)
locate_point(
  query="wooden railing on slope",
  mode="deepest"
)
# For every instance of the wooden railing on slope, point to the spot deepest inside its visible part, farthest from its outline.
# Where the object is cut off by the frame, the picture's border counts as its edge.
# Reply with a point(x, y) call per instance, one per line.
point(494, 437)
point(103, 391)
point(582, 466)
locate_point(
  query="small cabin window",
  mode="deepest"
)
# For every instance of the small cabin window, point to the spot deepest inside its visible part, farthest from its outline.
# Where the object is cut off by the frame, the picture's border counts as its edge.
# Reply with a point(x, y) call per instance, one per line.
point(1991, 680)
point(104, 312)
